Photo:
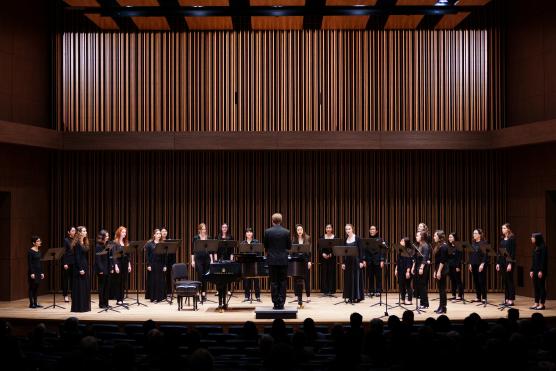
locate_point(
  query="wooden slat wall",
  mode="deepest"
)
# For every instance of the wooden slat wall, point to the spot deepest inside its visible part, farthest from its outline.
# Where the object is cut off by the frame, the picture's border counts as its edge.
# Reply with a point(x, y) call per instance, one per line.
point(456, 191)
point(280, 81)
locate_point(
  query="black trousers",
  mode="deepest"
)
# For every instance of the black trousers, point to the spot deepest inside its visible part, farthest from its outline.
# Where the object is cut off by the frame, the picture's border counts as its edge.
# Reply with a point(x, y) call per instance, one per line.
point(328, 275)
point(33, 289)
point(67, 279)
point(509, 284)
point(539, 285)
point(221, 288)
point(479, 280)
point(278, 282)
point(116, 286)
point(405, 286)
point(252, 283)
point(422, 286)
point(103, 289)
point(202, 266)
point(442, 291)
point(298, 285)
point(455, 281)
point(374, 277)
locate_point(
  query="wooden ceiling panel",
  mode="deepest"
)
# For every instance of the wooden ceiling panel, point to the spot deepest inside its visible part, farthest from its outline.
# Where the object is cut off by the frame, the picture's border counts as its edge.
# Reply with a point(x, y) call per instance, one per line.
point(104, 23)
point(204, 2)
point(348, 22)
point(415, 2)
point(403, 22)
point(450, 21)
point(138, 2)
point(350, 2)
point(151, 23)
point(87, 3)
point(473, 2)
point(277, 23)
point(277, 2)
point(209, 23)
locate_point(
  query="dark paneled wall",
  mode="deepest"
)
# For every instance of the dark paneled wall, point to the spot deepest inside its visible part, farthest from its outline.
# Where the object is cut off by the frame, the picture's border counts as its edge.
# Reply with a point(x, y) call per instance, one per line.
point(532, 174)
point(25, 181)
point(456, 191)
point(531, 57)
point(279, 81)
point(25, 65)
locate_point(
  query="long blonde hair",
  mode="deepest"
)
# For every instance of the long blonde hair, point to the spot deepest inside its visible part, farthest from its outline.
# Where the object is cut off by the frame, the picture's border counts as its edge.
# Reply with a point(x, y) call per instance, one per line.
point(78, 233)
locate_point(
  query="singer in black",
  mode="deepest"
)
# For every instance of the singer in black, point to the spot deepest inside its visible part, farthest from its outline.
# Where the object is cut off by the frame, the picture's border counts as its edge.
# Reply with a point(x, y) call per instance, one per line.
point(420, 269)
point(224, 253)
point(506, 264)
point(328, 264)
point(156, 269)
point(353, 268)
point(171, 259)
point(478, 263)
point(200, 261)
point(81, 292)
point(403, 271)
point(441, 268)
point(539, 270)
point(374, 263)
point(251, 283)
point(302, 238)
point(102, 268)
point(34, 271)
point(277, 242)
point(67, 263)
point(121, 266)
point(454, 266)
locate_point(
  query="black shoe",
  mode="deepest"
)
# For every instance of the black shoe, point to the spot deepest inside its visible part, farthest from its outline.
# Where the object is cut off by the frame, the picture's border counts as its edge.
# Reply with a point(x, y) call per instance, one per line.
point(541, 308)
point(423, 307)
point(278, 307)
point(259, 300)
point(33, 306)
point(533, 307)
point(38, 305)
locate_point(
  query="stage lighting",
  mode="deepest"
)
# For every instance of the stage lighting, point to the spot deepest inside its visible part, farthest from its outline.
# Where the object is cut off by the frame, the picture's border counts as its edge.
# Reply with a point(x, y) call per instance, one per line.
point(446, 2)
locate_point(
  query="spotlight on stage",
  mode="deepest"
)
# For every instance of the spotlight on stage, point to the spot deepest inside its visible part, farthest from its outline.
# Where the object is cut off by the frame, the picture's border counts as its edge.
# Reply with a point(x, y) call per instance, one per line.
point(446, 2)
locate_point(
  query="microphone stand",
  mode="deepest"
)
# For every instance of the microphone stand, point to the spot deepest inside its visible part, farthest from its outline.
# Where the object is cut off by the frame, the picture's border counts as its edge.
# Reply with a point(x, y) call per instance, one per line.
point(387, 275)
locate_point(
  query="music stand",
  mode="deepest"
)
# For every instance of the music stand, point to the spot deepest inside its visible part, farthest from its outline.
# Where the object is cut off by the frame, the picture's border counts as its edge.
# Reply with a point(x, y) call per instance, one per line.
point(134, 248)
point(375, 247)
point(300, 248)
point(109, 307)
point(487, 250)
point(208, 247)
point(328, 245)
point(502, 251)
point(166, 248)
point(118, 254)
point(342, 252)
point(53, 254)
point(250, 249)
point(405, 252)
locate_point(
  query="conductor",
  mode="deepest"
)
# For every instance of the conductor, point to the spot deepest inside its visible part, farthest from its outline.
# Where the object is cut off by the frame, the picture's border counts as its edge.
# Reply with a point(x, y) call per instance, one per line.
point(277, 242)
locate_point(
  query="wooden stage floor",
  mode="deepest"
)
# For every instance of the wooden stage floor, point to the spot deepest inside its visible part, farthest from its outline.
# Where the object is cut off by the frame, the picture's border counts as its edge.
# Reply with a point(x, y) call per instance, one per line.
point(322, 309)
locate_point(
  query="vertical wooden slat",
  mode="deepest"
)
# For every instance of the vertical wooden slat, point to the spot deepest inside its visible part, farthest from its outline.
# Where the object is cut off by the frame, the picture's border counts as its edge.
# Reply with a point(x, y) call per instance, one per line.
point(454, 191)
point(354, 80)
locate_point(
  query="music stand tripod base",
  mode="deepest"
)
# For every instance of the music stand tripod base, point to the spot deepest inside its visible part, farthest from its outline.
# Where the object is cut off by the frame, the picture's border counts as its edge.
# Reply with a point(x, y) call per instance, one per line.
point(109, 308)
point(53, 254)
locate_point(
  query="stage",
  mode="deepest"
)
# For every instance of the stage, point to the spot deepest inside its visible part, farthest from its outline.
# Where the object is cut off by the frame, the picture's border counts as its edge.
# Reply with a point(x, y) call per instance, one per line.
point(322, 309)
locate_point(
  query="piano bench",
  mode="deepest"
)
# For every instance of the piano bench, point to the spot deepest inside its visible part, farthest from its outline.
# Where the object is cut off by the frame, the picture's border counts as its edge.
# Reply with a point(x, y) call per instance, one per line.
point(187, 289)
